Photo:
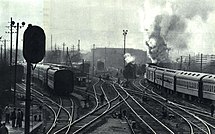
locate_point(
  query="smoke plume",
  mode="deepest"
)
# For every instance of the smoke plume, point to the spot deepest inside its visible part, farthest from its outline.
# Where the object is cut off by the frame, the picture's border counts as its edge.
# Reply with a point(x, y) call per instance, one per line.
point(129, 58)
point(165, 24)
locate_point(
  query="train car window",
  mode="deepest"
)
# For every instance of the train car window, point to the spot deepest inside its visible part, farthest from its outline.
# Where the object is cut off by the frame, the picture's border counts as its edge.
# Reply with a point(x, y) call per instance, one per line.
point(209, 76)
point(198, 74)
point(193, 75)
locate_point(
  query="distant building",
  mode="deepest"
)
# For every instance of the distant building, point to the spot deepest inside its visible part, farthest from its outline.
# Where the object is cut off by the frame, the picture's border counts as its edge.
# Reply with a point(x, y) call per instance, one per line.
point(113, 57)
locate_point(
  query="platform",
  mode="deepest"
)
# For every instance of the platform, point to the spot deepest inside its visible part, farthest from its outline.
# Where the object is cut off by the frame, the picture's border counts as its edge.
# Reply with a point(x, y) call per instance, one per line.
point(17, 130)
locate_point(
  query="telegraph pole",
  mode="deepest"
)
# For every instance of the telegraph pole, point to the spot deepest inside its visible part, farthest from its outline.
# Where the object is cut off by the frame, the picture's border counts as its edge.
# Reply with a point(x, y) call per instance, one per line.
point(201, 63)
point(93, 58)
point(51, 42)
point(105, 57)
point(63, 48)
point(78, 45)
point(11, 42)
point(83, 65)
point(189, 63)
point(181, 62)
point(16, 54)
point(1, 53)
point(17, 35)
point(5, 51)
point(73, 50)
point(67, 55)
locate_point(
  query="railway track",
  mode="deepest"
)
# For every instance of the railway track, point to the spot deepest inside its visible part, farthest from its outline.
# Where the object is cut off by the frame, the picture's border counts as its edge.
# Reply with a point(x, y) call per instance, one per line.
point(148, 122)
point(62, 114)
point(194, 123)
point(89, 121)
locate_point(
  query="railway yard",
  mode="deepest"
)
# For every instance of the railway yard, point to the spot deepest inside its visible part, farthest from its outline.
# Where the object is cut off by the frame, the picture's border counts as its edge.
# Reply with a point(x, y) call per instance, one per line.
point(107, 107)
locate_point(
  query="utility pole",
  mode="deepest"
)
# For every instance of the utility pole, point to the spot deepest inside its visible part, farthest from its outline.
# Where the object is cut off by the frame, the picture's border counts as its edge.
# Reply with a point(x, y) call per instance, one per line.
point(73, 50)
point(63, 48)
point(67, 55)
point(16, 54)
point(51, 42)
point(17, 35)
point(124, 33)
point(83, 65)
point(11, 42)
point(1, 53)
point(5, 51)
point(189, 63)
point(93, 58)
point(105, 57)
point(78, 45)
point(181, 62)
point(201, 63)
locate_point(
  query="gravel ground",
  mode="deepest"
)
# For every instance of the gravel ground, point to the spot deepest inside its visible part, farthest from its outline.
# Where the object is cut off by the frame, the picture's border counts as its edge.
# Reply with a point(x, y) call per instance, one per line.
point(113, 126)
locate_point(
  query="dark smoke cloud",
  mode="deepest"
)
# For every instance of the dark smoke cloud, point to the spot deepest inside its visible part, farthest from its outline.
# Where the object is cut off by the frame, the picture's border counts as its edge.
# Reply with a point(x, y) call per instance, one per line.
point(191, 8)
point(169, 29)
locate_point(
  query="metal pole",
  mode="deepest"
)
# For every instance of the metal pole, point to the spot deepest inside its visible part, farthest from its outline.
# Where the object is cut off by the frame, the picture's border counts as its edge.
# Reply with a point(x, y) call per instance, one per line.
point(78, 45)
point(83, 65)
point(181, 63)
point(67, 55)
point(73, 50)
point(189, 63)
point(105, 58)
point(201, 64)
point(28, 99)
point(11, 49)
point(5, 51)
point(11, 44)
point(51, 42)
point(1, 53)
point(124, 33)
point(124, 48)
point(93, 59)
point(17, 35)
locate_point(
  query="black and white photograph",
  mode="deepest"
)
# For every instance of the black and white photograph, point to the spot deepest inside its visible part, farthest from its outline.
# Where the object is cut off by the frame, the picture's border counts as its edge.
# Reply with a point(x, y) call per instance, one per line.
point(107, 66)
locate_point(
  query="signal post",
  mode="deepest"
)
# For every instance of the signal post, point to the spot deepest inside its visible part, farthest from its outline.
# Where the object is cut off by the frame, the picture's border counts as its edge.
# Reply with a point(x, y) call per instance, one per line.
point(33, 52)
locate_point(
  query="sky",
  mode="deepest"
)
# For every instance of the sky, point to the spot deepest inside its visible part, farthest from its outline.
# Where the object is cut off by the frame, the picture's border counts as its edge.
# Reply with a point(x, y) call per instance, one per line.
point(102, 22)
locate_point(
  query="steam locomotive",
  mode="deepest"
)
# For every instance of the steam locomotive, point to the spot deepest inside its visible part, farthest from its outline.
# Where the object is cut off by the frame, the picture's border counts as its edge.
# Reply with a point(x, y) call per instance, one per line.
point(194, 84)
point(130, 71)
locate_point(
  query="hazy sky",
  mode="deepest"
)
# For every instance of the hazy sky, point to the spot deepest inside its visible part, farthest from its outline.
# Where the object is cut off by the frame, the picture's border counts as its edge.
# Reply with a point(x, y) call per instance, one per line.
point(101, 22)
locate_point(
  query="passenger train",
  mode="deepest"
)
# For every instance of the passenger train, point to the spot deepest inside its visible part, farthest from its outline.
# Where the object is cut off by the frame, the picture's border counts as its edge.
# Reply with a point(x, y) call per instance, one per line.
point(200, 85)
point(59, 80)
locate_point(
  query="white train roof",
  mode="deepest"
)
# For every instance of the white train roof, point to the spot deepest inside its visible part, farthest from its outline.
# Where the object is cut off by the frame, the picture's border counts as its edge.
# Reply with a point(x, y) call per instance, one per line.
point(160, 70)
point(151, 68)
point(209, 78)
point(190, 75)
point(170, 72)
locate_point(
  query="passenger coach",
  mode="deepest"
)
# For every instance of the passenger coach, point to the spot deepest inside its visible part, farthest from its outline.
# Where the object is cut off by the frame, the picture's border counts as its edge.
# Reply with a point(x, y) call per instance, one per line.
point(59, 80)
